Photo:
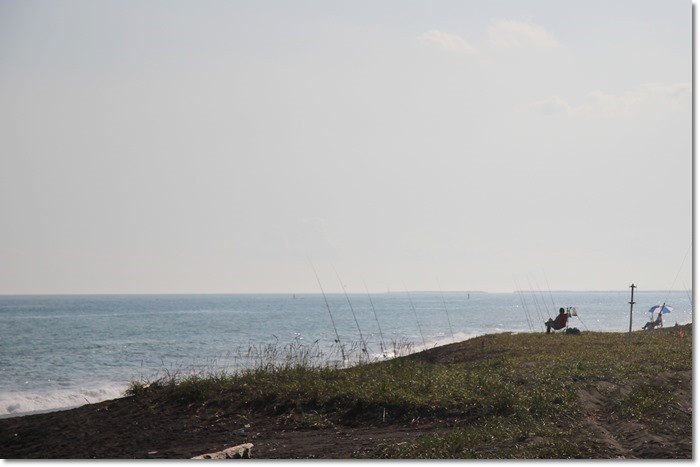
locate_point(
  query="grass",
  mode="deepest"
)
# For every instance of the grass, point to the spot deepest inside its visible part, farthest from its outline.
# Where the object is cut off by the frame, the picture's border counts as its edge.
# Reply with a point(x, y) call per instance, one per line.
point(502, 395)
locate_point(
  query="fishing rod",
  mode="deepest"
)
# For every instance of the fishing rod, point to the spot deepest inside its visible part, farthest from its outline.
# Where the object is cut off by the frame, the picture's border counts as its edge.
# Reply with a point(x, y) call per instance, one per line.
point(668, 294)
point(416, 314)
point(527, 312)
point(446, 313)
point(679, 271)
point(362, 339)
point(578, 317)
point(375, 317)
point(522, 302)
point(537, 304)
point(529, 315)
point(687, 292)
point(555, 307)
point(337, 337)
point(544, 301)
point(551, 297)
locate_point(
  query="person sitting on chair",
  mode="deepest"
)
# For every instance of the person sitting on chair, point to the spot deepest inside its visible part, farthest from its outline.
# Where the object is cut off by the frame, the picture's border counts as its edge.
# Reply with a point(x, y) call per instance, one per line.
point(558, 323)
point(652, 324)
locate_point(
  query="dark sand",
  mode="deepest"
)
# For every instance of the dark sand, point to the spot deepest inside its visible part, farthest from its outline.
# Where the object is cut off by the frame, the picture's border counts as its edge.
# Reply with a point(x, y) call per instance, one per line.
point(142, 428)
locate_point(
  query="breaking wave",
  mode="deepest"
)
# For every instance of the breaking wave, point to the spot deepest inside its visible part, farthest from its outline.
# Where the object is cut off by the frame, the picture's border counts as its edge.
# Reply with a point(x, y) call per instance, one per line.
point(14, 404)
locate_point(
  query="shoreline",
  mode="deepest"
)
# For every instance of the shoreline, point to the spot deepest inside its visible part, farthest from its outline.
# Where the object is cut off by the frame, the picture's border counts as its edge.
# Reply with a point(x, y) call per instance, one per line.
point(149, 424)
point(418, 348)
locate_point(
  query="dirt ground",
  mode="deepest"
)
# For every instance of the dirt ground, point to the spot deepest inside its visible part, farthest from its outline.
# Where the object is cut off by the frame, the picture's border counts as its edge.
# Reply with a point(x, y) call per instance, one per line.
point(135, 428)
point(127, 428)
point(628, 439)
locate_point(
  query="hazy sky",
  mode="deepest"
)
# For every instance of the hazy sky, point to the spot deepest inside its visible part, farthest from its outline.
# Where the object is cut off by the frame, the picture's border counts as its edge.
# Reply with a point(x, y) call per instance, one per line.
point(217, 146)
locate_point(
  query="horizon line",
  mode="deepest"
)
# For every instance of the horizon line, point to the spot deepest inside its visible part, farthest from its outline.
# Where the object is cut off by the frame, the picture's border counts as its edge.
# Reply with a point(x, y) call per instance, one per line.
point(96, 294)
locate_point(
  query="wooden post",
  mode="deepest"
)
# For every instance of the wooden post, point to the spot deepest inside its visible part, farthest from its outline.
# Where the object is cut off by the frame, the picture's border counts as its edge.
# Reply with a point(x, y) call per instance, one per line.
point(631, 307)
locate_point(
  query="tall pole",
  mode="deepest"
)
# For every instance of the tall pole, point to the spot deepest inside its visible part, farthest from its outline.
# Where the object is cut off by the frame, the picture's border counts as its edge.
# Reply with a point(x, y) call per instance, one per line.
point(631, 307)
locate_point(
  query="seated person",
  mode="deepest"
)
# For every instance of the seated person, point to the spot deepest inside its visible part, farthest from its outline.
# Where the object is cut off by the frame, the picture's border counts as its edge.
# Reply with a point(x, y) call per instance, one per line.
point(653, 324)
point(557, 323)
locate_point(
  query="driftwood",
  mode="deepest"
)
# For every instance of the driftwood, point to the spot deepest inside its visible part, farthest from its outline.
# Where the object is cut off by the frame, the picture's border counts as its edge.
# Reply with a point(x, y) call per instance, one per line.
point(242, 451)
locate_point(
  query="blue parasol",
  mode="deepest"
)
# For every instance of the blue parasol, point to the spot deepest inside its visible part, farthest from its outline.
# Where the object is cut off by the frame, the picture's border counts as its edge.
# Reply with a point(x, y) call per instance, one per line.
point(661, 309)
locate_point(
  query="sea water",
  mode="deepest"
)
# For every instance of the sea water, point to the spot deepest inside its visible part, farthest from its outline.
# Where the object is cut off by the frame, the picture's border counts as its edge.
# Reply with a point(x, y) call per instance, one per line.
point(59, 352)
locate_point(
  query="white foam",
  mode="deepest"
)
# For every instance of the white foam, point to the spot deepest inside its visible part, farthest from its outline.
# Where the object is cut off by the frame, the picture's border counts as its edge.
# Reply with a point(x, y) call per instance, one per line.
point(17, 403)
point(448, 339)
point(419, 347)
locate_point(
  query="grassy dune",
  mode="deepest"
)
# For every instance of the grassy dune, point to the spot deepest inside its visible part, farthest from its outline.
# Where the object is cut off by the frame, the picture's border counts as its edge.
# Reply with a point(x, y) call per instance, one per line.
point(596, 395)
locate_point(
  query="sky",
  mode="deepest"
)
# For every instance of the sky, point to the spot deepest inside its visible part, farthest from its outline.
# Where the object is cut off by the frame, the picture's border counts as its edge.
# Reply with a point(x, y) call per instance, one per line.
point(170, 146)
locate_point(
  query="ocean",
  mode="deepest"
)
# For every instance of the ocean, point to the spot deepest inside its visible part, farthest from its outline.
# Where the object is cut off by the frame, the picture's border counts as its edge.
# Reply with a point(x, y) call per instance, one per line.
point(59, 352)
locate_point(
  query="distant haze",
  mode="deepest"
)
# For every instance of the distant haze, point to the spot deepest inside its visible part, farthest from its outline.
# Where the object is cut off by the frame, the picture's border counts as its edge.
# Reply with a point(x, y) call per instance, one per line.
point(168, 146)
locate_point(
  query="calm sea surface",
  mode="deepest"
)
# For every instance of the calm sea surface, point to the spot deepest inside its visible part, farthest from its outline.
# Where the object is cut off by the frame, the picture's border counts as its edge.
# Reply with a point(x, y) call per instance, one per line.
point(64, 351)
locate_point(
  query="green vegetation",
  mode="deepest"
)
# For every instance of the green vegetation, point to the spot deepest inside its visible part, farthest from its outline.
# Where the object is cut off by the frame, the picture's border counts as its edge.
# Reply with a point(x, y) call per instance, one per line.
point(496, 396)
